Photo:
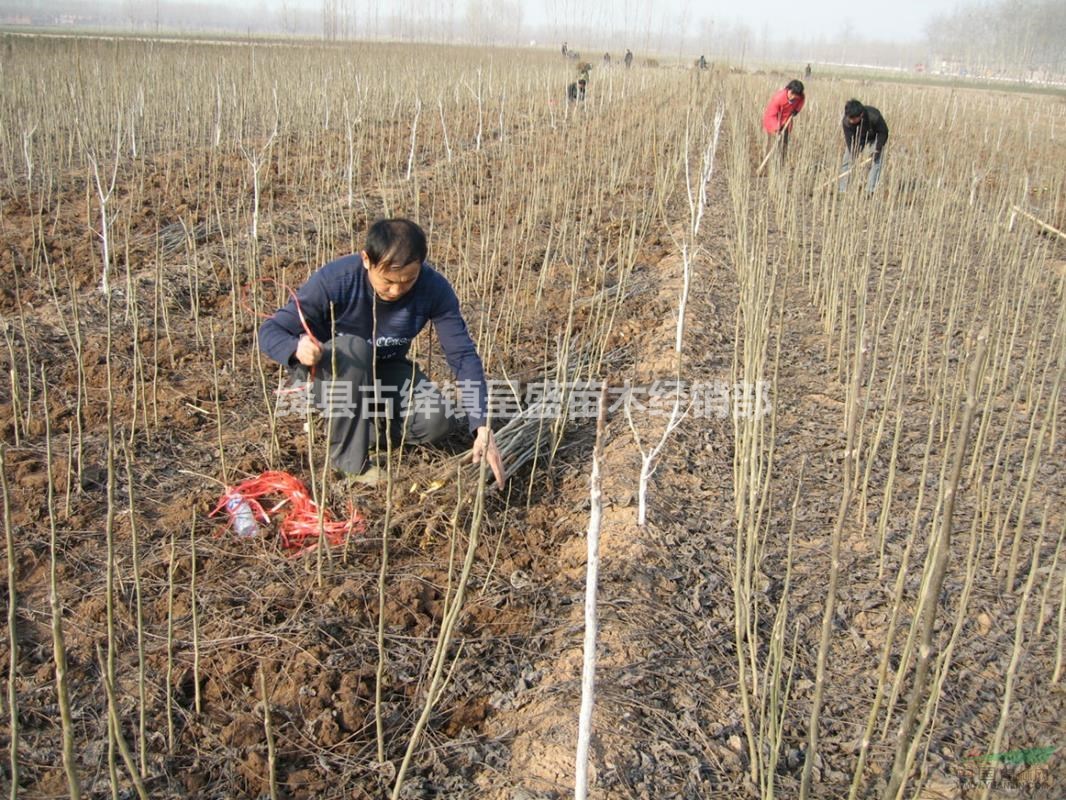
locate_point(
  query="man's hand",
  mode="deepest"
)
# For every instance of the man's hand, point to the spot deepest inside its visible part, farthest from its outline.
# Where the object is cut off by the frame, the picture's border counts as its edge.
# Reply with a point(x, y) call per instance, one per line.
point(485, 447)
point(308, 351)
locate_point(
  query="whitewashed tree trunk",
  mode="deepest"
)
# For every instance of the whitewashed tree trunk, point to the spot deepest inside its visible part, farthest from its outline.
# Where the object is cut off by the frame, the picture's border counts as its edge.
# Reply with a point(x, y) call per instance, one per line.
point(697, 197)
point(592, 572)
point(104, 196)
point(414, 132)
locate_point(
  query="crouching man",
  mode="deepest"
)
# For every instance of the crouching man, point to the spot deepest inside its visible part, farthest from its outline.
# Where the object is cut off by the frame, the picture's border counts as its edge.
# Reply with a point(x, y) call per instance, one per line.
point(351, 326)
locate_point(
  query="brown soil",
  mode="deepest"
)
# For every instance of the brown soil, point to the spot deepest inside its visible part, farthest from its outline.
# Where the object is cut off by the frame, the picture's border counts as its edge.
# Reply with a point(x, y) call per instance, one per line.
point(667, 720)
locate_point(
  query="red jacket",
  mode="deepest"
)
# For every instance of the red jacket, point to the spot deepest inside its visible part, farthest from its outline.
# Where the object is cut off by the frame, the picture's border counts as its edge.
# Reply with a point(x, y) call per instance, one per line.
point(779, 111)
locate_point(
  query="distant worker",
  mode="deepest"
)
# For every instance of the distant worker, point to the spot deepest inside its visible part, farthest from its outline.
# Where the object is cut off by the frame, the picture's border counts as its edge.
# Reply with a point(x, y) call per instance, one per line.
point(807, 72)
point(781, 112)
point(863, 125)
point(575, 92)
point(606, 59)
point(629, 58)
point(564, 50)
point(701, 63)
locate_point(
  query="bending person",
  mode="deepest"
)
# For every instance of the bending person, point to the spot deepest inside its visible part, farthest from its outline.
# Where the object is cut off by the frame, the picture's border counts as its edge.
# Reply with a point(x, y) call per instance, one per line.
point(863, 126)
point(781, 111)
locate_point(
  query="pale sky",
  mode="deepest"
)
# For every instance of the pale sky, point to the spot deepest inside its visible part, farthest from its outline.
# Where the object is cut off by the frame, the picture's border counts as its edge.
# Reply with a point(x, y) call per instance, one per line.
point(639, 21)
point(901, 20)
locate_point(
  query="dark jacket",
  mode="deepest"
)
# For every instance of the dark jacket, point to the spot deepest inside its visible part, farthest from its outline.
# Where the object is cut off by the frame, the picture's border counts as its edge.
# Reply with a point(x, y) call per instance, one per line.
point(871, 128)
point(343, 285)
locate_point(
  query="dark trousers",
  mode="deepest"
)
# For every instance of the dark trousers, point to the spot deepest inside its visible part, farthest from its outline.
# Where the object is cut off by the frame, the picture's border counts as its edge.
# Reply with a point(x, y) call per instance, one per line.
point(358, 415)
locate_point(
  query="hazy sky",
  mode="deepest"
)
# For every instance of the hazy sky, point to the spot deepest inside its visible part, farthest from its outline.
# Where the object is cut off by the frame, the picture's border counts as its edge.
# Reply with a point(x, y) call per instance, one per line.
point(797, 20)
point(872, 19)
point(900, 20)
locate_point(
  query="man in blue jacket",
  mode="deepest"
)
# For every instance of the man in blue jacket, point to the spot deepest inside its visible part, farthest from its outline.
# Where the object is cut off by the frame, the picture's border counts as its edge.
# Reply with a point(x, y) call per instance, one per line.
point(352, 326)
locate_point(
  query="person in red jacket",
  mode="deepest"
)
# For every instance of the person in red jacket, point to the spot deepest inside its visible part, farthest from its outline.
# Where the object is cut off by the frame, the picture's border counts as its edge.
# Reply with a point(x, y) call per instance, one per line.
point(781, 111)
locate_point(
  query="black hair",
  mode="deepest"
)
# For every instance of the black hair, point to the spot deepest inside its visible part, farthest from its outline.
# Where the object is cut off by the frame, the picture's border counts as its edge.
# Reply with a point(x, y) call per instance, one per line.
point(795, 87)
point(395, 243)
point(853, 108)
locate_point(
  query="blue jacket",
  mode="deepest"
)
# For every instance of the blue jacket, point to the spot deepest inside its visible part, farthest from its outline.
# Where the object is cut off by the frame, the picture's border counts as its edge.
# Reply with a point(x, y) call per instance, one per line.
point(343, 285)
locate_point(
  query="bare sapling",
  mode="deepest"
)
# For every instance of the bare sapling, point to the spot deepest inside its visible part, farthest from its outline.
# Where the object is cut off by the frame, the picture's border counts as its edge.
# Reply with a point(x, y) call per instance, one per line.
point(1056, 674)
point(256, 158)
point(268, 732)
point(320, 491)
point(193, 603)
point(1041, 616)
point(476, 94)
point(28, 359)
point(1017, 650)
point(59, 650)
point(142, 694)
point(27, 157)
point(444, 128)
point(379, 675)
point(109, 536)
point(890, 481)
point(21, 404)
point(116, 727)
point(852, 412)
point(931, 596)
point(218, 408)
point(592, 572)
point(82, 389)
point(16, 406)
point(67, 489)
point(12, 633)
point(103, 196)
point(414, 133)
point(216, 135)
point(168, 678)
point(349, 172)
point(136, 113)
point(1034, 465)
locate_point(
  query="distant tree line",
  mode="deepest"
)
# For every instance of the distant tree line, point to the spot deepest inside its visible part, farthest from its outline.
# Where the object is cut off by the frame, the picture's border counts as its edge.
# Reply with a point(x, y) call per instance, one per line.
point(1006, 38)
point(1011, 37)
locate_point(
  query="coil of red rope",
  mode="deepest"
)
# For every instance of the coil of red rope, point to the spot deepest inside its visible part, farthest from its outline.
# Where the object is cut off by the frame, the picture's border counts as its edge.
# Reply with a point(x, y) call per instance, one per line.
point(299, 528)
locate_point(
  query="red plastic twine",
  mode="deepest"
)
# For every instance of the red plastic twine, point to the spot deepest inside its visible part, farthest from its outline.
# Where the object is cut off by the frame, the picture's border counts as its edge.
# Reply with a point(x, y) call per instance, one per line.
point(299, 527)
